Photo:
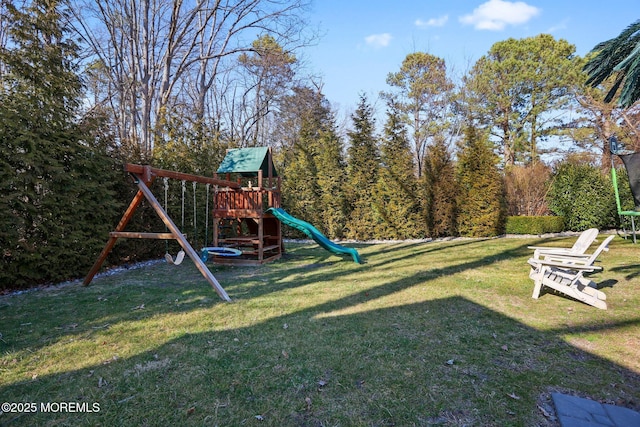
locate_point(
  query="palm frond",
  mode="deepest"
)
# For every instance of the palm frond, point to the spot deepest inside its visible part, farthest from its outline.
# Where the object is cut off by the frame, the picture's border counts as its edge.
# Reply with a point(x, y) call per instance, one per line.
point(620, 56)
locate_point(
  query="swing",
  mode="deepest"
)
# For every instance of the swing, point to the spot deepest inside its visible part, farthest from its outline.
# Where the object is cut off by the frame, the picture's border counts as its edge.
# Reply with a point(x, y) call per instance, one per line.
point(218, 251)
point(143, 176)
point(167, 255)
point(214, 250)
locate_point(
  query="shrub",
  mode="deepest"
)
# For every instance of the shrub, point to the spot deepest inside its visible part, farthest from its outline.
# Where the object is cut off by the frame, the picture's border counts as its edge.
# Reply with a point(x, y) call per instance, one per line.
point(583, 196)
point(526, 189)
point(534, 224)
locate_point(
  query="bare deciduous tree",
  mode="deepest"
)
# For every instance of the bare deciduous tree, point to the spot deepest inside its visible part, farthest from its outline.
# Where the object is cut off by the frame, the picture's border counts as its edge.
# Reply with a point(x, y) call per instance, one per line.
point(159, 54)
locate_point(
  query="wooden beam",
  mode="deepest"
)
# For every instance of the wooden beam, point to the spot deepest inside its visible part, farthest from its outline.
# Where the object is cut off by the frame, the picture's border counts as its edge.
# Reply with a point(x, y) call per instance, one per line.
point(147, 172)
point(137, 235)
point(270, 167)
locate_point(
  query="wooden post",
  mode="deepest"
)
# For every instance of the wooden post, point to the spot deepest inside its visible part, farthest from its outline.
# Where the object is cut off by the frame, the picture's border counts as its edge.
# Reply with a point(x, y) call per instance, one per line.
point(128, 214)
point(270, 166)
point(260, 238)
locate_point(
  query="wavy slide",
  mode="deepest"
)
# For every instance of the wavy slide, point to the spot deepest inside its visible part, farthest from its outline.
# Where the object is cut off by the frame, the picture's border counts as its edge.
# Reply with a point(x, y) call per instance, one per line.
point(313, 233)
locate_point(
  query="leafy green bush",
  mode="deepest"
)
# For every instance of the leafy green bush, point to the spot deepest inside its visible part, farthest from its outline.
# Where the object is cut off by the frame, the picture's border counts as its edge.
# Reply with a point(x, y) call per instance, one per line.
point(584, 196)
point(534, 224)
point(626, 197)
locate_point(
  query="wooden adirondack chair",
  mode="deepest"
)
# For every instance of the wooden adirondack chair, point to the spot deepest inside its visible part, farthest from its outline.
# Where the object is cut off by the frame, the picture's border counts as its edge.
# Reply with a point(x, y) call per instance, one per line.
point(565, 274)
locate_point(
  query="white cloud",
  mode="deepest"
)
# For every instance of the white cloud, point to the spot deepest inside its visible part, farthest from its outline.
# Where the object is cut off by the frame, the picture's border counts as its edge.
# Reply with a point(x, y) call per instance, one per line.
point(378, 40)
point(433, 22)
point(496, 14)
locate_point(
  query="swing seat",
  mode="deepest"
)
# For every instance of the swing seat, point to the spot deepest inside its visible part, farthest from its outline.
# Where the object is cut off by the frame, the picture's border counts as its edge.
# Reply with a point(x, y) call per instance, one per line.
point(218, 251)
point(177, 261)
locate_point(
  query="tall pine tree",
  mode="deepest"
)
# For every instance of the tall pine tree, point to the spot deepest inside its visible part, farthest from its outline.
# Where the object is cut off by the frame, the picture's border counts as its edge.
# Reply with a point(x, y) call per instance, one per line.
point(481, 206)
point(440, 190)
point(312, 162)
point(330, 166)
point(362, 171)
point(395, 201)
point(57, 191)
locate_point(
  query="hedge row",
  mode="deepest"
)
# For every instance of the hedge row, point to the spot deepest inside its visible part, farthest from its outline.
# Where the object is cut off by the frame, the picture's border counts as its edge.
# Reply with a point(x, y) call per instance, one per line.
point(534, 224)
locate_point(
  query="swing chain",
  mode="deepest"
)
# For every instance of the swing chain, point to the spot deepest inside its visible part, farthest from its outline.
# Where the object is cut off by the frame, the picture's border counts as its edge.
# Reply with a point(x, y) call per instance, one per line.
point(206, 217)
point(166, 196)
point(195, 223)
point(166, 191)
point(184, 188)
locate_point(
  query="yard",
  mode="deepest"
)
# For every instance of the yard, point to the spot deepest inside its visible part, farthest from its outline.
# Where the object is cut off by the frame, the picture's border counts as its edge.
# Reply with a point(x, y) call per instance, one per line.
point(424, 333)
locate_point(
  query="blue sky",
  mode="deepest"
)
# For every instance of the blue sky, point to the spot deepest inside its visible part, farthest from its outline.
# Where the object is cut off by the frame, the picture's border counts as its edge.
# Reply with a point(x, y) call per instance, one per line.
point(364, 40)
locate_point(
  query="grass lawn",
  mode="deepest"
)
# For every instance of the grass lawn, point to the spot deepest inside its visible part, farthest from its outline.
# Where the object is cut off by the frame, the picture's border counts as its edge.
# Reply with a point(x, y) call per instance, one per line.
point(440, 333)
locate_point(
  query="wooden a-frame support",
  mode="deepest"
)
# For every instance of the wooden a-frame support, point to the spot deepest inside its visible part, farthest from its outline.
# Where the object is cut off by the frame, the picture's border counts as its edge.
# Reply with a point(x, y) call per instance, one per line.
point(144, 175)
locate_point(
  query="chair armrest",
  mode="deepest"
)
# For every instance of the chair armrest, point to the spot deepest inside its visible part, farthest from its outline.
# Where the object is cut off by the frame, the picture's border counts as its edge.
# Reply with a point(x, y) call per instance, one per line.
point(536, 262)
point(549, 248)
point(571, 258)
point(566, 257)
point(542, 251)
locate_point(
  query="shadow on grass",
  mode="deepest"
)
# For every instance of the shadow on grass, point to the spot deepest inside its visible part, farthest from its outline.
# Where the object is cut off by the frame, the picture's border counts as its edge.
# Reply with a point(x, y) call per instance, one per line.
point(414, 249)
point(447, 361)
point(382, 259)
point(391, 256)
point(99, 306)
point(444, 362)
point(630, 271)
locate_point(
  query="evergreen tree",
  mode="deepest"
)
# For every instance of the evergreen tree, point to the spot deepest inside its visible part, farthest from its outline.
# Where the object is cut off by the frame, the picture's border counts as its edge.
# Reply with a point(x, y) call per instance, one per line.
point(481, 206)
point(515, 88)
point(57, 188)
point(300, 192)
point(312, 162)
point(395, 201)
point(330, 166)
point(440, 190)
point(422, 90)
point(362, 172)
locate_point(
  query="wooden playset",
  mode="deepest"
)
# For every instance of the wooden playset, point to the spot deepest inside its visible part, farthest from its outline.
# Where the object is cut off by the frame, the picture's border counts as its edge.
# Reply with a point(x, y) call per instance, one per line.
point(242, 227)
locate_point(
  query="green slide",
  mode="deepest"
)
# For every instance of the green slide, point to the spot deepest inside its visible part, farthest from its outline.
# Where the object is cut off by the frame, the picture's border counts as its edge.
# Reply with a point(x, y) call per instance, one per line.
point(313, 233)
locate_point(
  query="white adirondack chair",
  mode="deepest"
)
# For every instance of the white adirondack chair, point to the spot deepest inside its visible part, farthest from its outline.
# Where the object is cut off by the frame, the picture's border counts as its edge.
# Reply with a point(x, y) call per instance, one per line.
point(565, 274)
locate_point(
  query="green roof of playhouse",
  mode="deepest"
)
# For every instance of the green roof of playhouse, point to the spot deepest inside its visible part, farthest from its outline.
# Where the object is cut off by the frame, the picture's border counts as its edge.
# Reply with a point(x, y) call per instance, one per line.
point(247, 161)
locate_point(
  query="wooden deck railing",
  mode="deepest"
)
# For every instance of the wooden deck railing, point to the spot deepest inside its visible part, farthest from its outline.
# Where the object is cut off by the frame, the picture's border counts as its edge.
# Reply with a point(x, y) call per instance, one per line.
point(257, 199)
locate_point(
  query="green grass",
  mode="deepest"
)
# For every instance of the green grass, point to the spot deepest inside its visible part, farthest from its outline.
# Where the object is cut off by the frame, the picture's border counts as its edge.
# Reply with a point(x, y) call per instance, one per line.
point(440, 333)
